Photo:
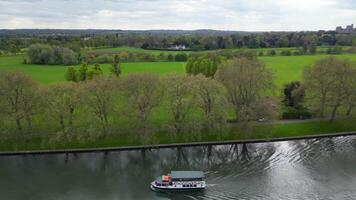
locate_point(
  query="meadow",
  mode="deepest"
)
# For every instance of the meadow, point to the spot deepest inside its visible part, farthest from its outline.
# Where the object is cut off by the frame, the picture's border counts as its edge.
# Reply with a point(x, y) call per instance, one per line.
point(286, 68)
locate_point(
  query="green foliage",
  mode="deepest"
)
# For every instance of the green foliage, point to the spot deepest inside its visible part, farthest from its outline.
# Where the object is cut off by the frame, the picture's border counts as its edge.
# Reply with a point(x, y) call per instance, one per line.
point(271, 53)
point(45, 54)
point(334, 50)
point(286, 53)
point(115, 67)
point(293, 100)
point(205, 64)
point(181, 57)
point(94, 72)
point(71, 74)
point(83, 70)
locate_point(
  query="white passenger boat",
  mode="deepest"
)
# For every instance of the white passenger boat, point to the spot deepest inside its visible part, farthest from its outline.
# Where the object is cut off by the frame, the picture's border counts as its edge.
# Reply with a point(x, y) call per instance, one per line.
point(180, 181)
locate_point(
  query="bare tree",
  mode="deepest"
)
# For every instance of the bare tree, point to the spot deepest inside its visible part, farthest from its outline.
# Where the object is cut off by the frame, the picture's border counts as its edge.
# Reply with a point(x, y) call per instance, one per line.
point(329, 84)
point(179, 97)
point(142, 92)
point(98, 96)
point(351, 90)
point(247, 82)
point(18, 94)
point(210, 98)
point(318, 80)
point(343, 73)
point(62, 101)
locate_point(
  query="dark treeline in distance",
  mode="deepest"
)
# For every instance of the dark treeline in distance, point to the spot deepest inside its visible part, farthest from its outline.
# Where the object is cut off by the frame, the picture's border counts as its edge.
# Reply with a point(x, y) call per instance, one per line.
point(14, 41)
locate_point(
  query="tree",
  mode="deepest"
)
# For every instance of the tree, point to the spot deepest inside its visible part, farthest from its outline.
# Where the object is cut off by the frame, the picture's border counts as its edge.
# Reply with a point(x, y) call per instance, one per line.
point(293, 100)
point(327, 84)
point(54, 55)
point(351, 94)
point(179, 97)
point(247, 82)
point(206, 64)
point(83, 70)
point(142, 92)
point(170, 57)
point(181, 57)
point(98, 96)
point(94, 72)
point(115, 67)
point(293, 94)
point(210, 98)
point(343, 76)
point(62, 101)
point(71, 74)
point(19, 95)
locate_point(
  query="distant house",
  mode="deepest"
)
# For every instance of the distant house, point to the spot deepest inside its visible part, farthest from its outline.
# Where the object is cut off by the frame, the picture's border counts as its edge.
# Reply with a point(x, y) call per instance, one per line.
point(348, 30)
point(179, 47)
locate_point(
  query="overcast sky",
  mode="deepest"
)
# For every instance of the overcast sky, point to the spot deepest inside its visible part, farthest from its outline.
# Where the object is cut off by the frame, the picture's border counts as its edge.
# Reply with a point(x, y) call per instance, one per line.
point(245, 15)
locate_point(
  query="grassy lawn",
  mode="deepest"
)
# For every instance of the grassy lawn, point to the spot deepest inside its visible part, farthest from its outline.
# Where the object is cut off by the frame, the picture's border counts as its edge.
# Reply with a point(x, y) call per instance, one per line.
point(55, 73)
point(286, 68)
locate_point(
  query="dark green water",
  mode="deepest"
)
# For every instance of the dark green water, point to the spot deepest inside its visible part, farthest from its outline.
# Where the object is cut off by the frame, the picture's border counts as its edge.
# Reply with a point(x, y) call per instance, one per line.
point(306, 169)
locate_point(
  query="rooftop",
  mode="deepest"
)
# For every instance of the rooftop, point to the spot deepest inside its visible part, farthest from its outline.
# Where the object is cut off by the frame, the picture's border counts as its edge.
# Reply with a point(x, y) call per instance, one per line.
point(187, 174)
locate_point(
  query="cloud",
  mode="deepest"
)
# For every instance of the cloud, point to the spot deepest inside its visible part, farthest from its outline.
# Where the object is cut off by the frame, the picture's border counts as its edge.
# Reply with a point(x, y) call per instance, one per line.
point(247, 15)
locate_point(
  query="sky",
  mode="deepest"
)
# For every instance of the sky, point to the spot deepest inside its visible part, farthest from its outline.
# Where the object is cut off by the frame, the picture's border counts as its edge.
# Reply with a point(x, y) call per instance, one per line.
point(239, 15)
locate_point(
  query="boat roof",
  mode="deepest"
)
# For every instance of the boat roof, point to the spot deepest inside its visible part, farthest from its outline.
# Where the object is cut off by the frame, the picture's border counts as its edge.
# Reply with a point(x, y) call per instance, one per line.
point(186, 174)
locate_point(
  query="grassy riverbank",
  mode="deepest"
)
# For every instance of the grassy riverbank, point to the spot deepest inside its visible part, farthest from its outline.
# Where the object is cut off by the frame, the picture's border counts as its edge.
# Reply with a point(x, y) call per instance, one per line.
point(255, 131)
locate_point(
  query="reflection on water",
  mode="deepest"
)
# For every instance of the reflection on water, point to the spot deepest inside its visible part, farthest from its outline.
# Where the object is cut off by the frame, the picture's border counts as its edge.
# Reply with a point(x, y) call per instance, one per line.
point(306, 169)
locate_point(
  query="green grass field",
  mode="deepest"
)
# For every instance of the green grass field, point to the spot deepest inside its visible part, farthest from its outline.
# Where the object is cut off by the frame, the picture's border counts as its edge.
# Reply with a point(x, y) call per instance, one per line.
point(55, 73)
point(286, 68)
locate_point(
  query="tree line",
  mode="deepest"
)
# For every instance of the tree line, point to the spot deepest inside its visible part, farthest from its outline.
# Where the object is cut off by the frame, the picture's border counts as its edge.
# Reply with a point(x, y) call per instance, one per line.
point(196, 41)
point(144, 104)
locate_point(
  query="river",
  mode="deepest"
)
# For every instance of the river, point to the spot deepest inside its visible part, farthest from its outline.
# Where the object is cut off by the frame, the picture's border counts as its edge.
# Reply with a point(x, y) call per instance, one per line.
point(304, 169)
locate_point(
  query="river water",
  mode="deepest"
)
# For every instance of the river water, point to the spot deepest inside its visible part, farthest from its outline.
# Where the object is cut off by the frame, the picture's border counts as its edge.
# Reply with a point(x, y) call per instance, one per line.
point(304, 169)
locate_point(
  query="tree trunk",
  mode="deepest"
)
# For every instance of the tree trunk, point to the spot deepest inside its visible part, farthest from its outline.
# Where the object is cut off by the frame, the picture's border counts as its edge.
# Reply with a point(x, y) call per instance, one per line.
point(18, 124)
point(349, 110)
point(61, 121)
point(70, 120)
point(29, 123)
point(333, 114)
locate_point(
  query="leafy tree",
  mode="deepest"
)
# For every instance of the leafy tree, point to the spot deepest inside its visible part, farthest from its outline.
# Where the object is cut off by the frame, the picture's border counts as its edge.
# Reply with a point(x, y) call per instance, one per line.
point(272, 53)
point(71, 74)
point(179, 100)
point(46, 54)
point(62, 101)
point(83, 70)
point(98, 97)
point(210, 98)
point(19, 98)
point(115, 67)
point(203, 64)
point(141, 92)
point(293, 100)
point(94, 72)
point(181, 57)
point(170, 57)
point(247, 82)
point(327, 84)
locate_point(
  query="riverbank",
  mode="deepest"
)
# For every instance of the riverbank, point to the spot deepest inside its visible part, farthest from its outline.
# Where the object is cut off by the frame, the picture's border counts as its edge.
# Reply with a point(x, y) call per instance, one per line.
point(256, 134)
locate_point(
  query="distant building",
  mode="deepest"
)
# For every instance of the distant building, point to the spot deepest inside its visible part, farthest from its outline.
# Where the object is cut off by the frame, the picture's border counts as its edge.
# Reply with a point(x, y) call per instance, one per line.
point(348, 30)
point(179, 47)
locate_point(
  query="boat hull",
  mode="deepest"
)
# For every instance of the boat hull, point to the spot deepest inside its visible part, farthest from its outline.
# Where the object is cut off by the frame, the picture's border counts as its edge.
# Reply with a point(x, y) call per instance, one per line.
point(168, 189)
